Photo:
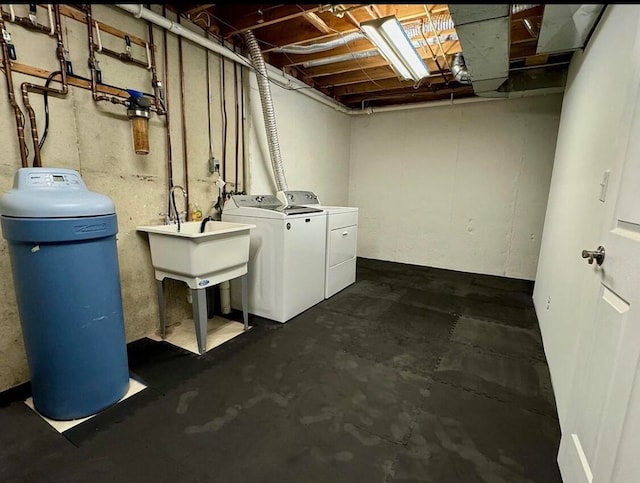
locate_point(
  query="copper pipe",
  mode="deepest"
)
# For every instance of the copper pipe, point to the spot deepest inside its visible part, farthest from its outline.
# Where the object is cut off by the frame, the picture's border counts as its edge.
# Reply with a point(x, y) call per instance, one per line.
point(92, 65)
point(237, 118)
point(184, 124)
point(26, 23)
point(122, 56)
point(167, 119)
point(6, 62)
point(118, 55)
point(154, 75)
point(242, 115)
point(27, 87)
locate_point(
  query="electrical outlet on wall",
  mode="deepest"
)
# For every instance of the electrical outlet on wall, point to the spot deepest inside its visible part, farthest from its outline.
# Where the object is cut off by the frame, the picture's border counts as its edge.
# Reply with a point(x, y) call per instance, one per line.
point(214, 165)
point(548, 302)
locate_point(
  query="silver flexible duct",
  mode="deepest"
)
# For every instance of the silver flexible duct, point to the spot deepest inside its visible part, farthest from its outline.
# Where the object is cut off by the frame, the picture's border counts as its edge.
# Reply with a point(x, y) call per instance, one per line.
point(459, 69)
point(322, 46)
point(371, 53)
point(440, 22)
point(267, 110)
point(340, 58)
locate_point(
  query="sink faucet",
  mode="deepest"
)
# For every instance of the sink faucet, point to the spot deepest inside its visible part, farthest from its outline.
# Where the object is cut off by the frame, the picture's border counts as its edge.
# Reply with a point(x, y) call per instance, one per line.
point(174, 216)
point(204, 222)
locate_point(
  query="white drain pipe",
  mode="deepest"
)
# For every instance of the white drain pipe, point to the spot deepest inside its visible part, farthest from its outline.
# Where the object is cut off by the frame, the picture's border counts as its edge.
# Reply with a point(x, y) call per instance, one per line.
point(225, 297)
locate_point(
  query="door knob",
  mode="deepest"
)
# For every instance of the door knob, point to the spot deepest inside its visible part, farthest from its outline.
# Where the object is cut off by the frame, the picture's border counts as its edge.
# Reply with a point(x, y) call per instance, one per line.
point(597, 255)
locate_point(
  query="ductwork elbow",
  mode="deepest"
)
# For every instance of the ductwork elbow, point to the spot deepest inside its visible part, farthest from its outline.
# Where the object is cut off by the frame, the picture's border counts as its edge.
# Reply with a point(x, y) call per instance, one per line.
point(459, 69)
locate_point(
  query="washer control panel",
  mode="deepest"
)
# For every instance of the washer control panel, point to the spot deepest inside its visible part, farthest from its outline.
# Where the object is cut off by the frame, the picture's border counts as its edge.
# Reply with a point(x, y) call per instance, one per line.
point(257, 201)
point(298, 197)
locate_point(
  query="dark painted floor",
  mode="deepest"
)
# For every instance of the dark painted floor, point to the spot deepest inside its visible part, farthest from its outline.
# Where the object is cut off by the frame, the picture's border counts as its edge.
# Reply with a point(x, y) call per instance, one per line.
point(411, 374)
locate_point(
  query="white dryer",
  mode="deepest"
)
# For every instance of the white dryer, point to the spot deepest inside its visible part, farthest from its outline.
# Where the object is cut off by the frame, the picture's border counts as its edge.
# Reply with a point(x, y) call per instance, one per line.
point(341, 239)
point(286, 255)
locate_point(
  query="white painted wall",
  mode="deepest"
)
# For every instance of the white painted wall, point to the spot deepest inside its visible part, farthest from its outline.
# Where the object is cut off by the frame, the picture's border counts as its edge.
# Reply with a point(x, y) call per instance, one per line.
point(314, 144)
point(591, 115)
point(462, 187)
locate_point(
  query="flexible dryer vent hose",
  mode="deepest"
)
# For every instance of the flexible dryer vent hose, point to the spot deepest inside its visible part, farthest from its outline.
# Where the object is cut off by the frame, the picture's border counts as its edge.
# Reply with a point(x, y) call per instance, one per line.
point(267, 110)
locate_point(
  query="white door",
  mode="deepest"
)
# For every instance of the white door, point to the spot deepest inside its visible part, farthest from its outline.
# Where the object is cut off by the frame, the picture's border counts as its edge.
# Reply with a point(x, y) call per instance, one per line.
point(605, 400)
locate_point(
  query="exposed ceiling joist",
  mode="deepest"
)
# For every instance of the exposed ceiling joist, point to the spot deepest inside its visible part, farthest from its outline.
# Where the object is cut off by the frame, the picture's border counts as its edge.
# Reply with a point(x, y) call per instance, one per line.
point(266, 16)
point(300, 32)
point(355, 74)
point(193, 10)
point(317, 22)
point(382, 85)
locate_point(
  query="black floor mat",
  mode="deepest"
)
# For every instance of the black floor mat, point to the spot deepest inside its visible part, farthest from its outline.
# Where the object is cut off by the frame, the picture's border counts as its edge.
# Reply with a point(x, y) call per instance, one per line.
point(410, 374)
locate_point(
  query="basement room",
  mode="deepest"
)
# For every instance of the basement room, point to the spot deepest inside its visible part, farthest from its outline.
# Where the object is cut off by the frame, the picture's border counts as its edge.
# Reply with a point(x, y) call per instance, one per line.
point(347, 243)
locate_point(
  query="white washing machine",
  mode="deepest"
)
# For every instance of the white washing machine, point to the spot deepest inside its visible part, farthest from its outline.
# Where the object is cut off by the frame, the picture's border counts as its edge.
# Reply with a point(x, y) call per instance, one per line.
point(286, 255)
point(341, 239)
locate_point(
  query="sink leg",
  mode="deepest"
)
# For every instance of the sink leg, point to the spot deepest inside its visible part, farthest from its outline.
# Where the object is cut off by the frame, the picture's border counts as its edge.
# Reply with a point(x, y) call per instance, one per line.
point(245, 302)
point(161, 307)
point(200, 317)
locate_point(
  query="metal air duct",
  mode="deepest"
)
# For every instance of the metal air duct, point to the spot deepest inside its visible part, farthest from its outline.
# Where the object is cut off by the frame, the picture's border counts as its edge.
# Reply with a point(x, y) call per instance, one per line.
point(483, 31)
point(459, 69)
point(566, 27)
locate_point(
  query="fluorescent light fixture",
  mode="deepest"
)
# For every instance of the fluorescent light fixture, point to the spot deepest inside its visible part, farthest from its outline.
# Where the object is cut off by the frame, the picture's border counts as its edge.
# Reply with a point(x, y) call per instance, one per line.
point(395, 46)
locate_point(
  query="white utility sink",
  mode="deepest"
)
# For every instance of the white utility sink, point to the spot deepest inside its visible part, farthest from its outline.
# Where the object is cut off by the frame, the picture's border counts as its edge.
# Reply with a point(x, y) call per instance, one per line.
point(199, 259)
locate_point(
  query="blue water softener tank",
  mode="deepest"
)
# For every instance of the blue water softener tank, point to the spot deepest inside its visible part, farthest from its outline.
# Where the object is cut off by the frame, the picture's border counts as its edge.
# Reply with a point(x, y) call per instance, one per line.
point(62, 244)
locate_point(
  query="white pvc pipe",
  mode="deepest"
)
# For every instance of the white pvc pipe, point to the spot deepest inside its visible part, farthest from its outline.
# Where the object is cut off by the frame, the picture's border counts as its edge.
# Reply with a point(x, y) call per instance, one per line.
point(225, 297)
point(422, 105)
point(51, 26)
point(138, 11)
point(95, 22)
point(146, 44)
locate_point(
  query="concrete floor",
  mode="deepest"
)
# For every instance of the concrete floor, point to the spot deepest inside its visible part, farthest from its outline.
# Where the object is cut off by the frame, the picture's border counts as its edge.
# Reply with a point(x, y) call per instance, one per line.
point(411, 374)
